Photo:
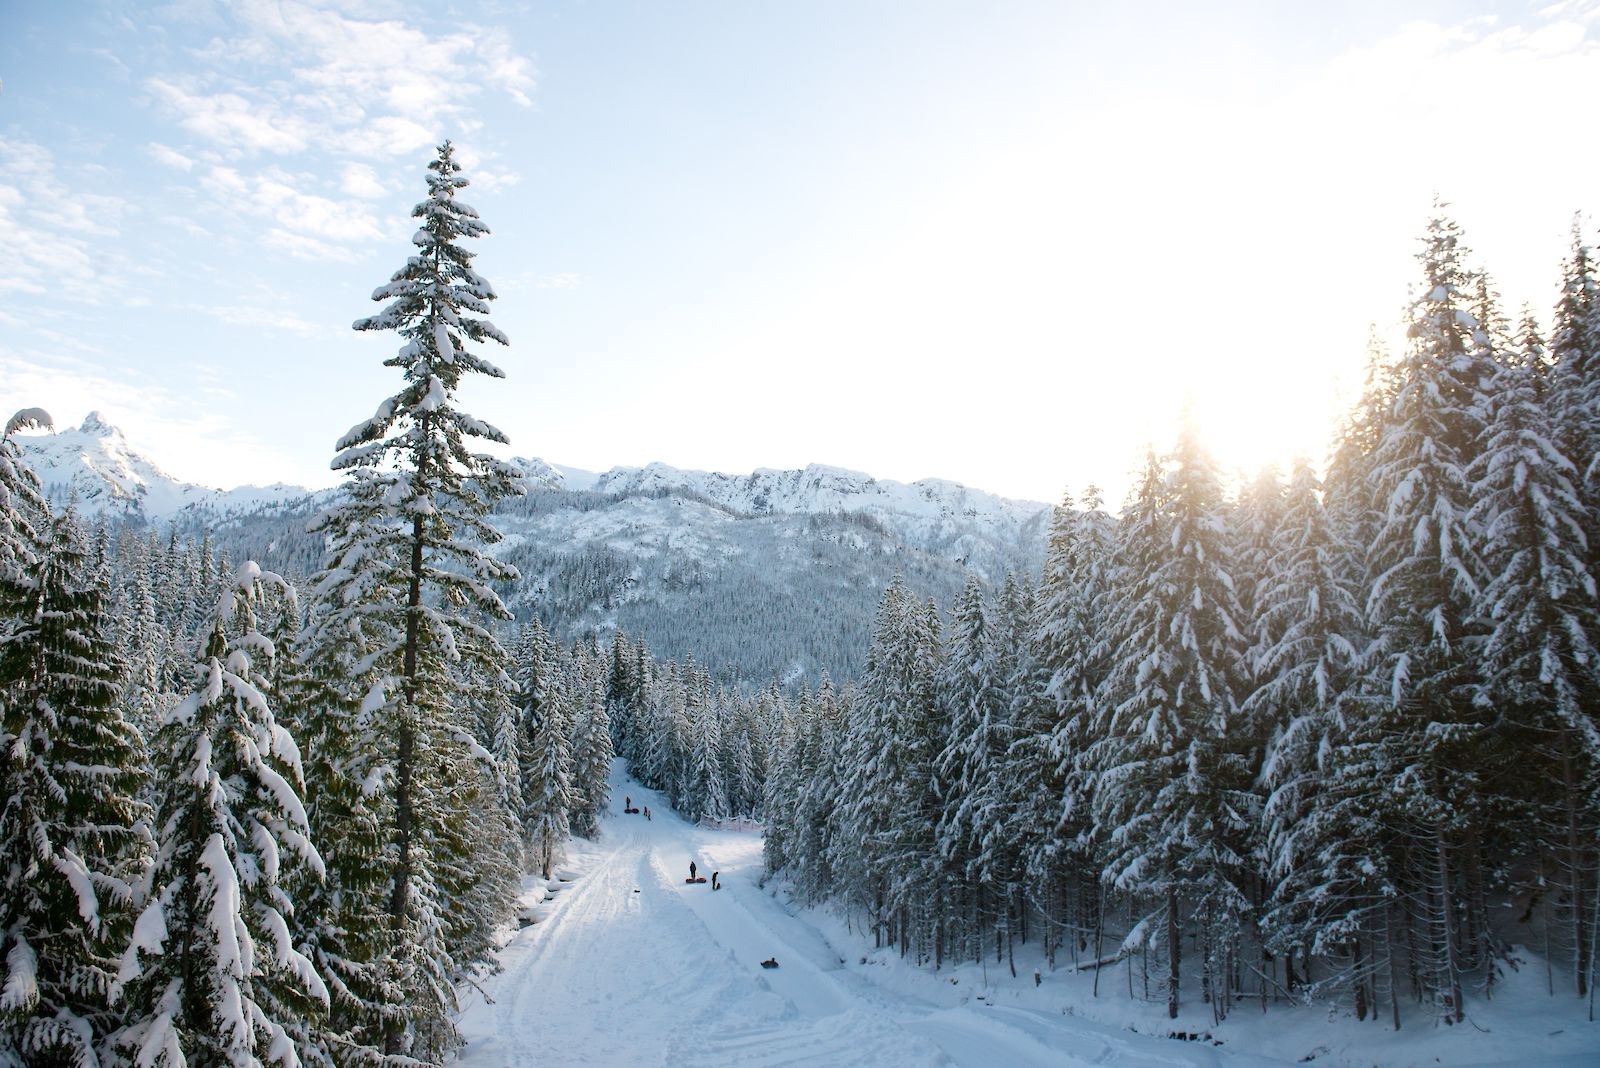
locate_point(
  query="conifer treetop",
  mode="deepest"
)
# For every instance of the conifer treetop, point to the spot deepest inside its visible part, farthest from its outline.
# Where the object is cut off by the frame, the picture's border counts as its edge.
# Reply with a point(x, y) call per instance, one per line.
point(435, 303)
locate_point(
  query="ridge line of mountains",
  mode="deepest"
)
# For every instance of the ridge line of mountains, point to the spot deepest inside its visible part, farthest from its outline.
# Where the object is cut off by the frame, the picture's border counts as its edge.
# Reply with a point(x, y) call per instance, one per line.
point(774, 574)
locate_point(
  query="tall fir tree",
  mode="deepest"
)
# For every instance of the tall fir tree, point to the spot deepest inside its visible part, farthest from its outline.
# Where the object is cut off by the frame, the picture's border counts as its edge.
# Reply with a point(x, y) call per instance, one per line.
point(212, 975)
point(548, 796)
point(1174, 795)
point(591, 742)
point(973, 749)
point(409, 573)
point(72, 829)
point(1425, 568)
point(341, 913)
point(1539, 668)
point(1325, 851)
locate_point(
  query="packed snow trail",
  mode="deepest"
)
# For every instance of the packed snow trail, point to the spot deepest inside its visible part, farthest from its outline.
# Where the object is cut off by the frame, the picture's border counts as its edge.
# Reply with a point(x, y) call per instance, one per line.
point(628, 965)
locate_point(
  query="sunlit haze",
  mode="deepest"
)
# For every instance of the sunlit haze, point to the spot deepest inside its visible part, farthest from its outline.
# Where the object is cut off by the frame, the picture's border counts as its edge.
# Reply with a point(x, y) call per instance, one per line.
point(998, 243)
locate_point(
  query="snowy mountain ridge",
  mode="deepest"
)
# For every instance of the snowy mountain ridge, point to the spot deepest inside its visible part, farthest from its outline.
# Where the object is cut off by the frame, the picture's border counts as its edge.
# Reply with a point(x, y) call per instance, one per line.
point(95, 462)
point(95, 465)
point(819, 488)
point(776, 572)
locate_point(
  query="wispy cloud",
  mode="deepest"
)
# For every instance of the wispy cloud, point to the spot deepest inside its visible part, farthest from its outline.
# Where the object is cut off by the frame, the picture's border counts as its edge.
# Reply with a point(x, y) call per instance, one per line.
point(230, 120)
point(285, 76)
point(270, 317)
point(289, 110)
point(53, 232)
point(306, 247)
point(360, 180)
point(306, 224)
point(169, 157)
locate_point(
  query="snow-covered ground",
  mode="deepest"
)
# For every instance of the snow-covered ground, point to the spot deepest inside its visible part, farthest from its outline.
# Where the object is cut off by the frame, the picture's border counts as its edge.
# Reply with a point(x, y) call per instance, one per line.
point(628, 965)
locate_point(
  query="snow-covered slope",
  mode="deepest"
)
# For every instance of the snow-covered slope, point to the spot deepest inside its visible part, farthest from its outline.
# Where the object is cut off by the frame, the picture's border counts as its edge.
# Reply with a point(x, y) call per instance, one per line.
point(775, 573)
point(95, 464)
point(933, 511)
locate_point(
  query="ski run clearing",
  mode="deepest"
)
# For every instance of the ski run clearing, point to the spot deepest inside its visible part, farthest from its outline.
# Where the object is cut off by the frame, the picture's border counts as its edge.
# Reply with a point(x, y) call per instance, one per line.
point(626, 964)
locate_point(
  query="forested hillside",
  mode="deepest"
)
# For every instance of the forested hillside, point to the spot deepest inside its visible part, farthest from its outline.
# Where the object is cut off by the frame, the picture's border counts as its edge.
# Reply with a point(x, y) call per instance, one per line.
point(758, 584)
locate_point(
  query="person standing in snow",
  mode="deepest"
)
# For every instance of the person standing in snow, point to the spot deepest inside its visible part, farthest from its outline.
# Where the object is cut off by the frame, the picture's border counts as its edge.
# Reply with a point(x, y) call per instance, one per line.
point(647, 812)
point(627, 804)
point(714, 884)
point(691, 871)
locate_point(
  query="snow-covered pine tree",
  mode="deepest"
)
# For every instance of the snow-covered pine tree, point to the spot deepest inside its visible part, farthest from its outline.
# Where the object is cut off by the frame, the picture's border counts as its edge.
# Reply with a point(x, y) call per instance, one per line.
point(622, 697)
point(1001, 856)
point(1539, 667)
point(665, 755)
point(1325, 851)
point(23, 511)
point(739, 736)
point(211, 952)
point(1421, 606)
point(817, 807)
point(1174, 800)
point(923, 728)
point(1574, 404)
point(1348, 492)
point(1050, 786)
point(72, 831)
point(499, 723)
point(474, 842)
point(967, 768)
point(408, 571)
point(487, 795)
point(1575, 357)
point(705, 793)
point(786, 779)
point(1252, 521)
point(889, 794)
point(760, 722)
point(341, 917)
point(653, 758)
point(859, 854)
point(591, 744)
point(548, 796)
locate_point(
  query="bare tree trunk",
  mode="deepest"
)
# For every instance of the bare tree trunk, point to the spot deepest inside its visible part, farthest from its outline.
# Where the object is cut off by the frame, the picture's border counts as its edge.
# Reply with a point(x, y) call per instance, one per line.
point(1360, 978)
point(1575, 866)
point(1011, 918)
point(1174, 954)
point(406, 735)
point(1447, 927)
point(877, 925)
point(977, 923)
point(1099, 932)
point(405, 754)
point(1394, 965)
point(1483, 954)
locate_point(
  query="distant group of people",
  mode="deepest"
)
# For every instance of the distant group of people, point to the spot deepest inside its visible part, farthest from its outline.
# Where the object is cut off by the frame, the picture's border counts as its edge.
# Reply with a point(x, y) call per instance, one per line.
point(694, 870)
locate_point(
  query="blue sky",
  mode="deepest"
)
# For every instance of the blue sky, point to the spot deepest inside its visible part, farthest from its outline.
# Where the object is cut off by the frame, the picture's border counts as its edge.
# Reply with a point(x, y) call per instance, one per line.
point(1002, 243)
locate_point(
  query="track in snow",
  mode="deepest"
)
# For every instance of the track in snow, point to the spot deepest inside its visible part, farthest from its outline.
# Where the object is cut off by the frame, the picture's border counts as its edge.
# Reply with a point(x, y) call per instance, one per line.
point(671, 975)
